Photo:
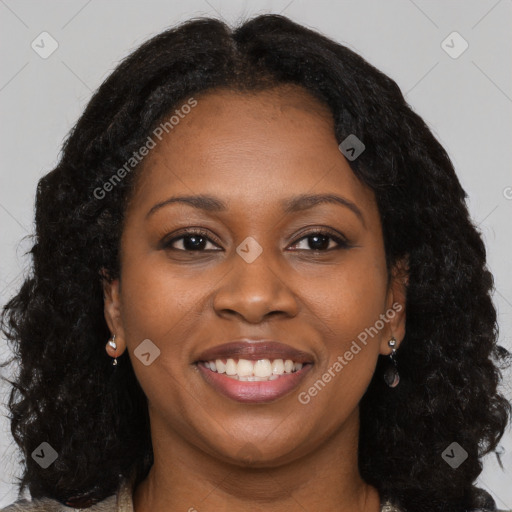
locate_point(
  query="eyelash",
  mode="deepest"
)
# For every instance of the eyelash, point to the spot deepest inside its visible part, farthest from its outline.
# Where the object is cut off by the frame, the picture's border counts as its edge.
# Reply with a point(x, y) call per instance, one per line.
point(342, 243)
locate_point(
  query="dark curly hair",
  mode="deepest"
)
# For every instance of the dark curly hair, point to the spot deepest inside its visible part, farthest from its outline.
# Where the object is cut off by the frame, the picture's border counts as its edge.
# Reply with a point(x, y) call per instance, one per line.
point(66, 391)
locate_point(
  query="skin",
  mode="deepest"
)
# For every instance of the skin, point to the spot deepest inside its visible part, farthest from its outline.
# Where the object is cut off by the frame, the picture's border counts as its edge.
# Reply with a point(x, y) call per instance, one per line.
point(212, 453)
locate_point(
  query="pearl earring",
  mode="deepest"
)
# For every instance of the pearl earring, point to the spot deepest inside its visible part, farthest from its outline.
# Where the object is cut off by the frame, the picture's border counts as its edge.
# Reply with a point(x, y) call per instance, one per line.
point(113, 344)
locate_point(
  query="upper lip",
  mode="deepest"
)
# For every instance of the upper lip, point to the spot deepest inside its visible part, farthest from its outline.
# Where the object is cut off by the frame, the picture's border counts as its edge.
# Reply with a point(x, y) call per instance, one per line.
point(253, 350)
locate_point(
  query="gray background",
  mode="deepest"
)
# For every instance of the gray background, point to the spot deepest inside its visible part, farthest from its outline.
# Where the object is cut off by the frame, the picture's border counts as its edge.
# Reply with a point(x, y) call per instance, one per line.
point(466, 101)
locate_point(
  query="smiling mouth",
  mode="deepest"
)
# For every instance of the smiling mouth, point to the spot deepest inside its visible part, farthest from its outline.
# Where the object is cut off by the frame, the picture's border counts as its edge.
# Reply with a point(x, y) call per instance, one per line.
point(260, 370)
point(254, 371)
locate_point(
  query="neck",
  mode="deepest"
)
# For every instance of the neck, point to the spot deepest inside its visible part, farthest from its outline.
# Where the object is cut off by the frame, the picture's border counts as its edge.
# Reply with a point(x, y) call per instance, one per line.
point(185, 478)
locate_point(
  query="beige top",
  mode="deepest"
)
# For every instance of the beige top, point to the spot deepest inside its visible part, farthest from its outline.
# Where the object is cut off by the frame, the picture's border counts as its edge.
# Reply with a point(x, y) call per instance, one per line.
point(119, 502)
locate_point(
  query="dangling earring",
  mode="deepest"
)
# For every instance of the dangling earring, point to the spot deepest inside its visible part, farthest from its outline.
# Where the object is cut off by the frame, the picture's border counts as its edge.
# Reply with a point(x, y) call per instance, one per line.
point(112, 343)
point(391, 376)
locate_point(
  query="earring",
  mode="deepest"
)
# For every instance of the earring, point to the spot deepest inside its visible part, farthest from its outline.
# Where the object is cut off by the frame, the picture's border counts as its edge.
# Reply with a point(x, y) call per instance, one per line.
point(112, 343)
point(391, 376)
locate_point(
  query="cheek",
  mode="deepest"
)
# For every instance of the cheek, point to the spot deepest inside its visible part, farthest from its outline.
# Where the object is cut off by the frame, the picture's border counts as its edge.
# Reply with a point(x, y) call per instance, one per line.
point(159, 306)
point(150, 305)
point(348, 299)
point(155, 297)
point(347, 309)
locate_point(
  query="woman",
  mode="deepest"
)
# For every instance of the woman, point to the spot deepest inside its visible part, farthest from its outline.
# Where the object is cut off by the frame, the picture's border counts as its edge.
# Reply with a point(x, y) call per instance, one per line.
point(277, 256)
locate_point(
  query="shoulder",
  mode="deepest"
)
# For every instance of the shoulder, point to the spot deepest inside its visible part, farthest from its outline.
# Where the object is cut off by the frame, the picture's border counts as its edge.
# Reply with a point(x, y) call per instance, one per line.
point(489, 510)
point(119, 502)
point(387, 506)
point(48, 505)
point(42, 504)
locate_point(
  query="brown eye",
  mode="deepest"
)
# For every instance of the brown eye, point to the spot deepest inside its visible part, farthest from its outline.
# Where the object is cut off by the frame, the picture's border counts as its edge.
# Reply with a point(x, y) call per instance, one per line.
point(193, 241)
point(321, 241)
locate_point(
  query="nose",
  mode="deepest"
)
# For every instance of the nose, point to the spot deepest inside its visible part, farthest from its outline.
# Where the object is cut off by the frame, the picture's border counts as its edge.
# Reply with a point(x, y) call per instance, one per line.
point(254, 291)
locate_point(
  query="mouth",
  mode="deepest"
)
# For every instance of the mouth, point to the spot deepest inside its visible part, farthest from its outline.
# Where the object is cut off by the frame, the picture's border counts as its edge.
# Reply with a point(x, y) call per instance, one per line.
point(254, 372)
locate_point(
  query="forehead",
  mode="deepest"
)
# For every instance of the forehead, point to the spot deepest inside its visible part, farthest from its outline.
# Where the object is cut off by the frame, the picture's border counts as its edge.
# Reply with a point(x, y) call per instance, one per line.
point(252, 147)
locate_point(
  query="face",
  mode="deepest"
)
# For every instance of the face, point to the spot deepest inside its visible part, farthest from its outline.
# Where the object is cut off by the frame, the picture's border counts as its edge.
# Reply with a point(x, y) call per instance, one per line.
point(312, 276)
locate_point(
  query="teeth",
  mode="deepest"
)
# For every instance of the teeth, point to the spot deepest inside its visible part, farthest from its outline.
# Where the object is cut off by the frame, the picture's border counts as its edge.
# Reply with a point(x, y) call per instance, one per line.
point(221, 367)
point(288, 366)
point(262, 368)
point(245, 368)
point(253, 371)
point(231, 367)
point(278, 367)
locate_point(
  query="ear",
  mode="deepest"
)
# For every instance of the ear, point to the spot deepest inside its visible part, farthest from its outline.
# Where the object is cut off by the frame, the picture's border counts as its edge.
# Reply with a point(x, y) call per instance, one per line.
point(112, 311)
point(396, 305)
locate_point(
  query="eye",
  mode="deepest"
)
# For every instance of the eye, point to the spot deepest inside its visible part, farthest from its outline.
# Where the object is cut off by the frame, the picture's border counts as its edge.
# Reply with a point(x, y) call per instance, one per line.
point(321, 241)
point(197, 240)
point(193, 240)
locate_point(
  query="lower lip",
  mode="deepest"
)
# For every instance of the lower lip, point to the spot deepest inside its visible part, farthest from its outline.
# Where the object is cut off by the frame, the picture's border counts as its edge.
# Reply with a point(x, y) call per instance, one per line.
point(254, 392)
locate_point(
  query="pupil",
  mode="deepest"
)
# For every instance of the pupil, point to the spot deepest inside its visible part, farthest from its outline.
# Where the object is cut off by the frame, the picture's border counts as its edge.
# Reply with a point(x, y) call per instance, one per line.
point(316, 245)
point(194, 242)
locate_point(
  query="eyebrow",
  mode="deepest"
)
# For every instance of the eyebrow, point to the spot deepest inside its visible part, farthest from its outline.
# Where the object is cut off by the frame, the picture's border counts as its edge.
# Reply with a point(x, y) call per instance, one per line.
point(289, 205)
point(305, 201)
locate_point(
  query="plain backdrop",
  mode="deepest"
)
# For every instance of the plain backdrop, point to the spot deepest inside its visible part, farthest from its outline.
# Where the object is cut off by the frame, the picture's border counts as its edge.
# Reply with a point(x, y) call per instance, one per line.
point(465, 99)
